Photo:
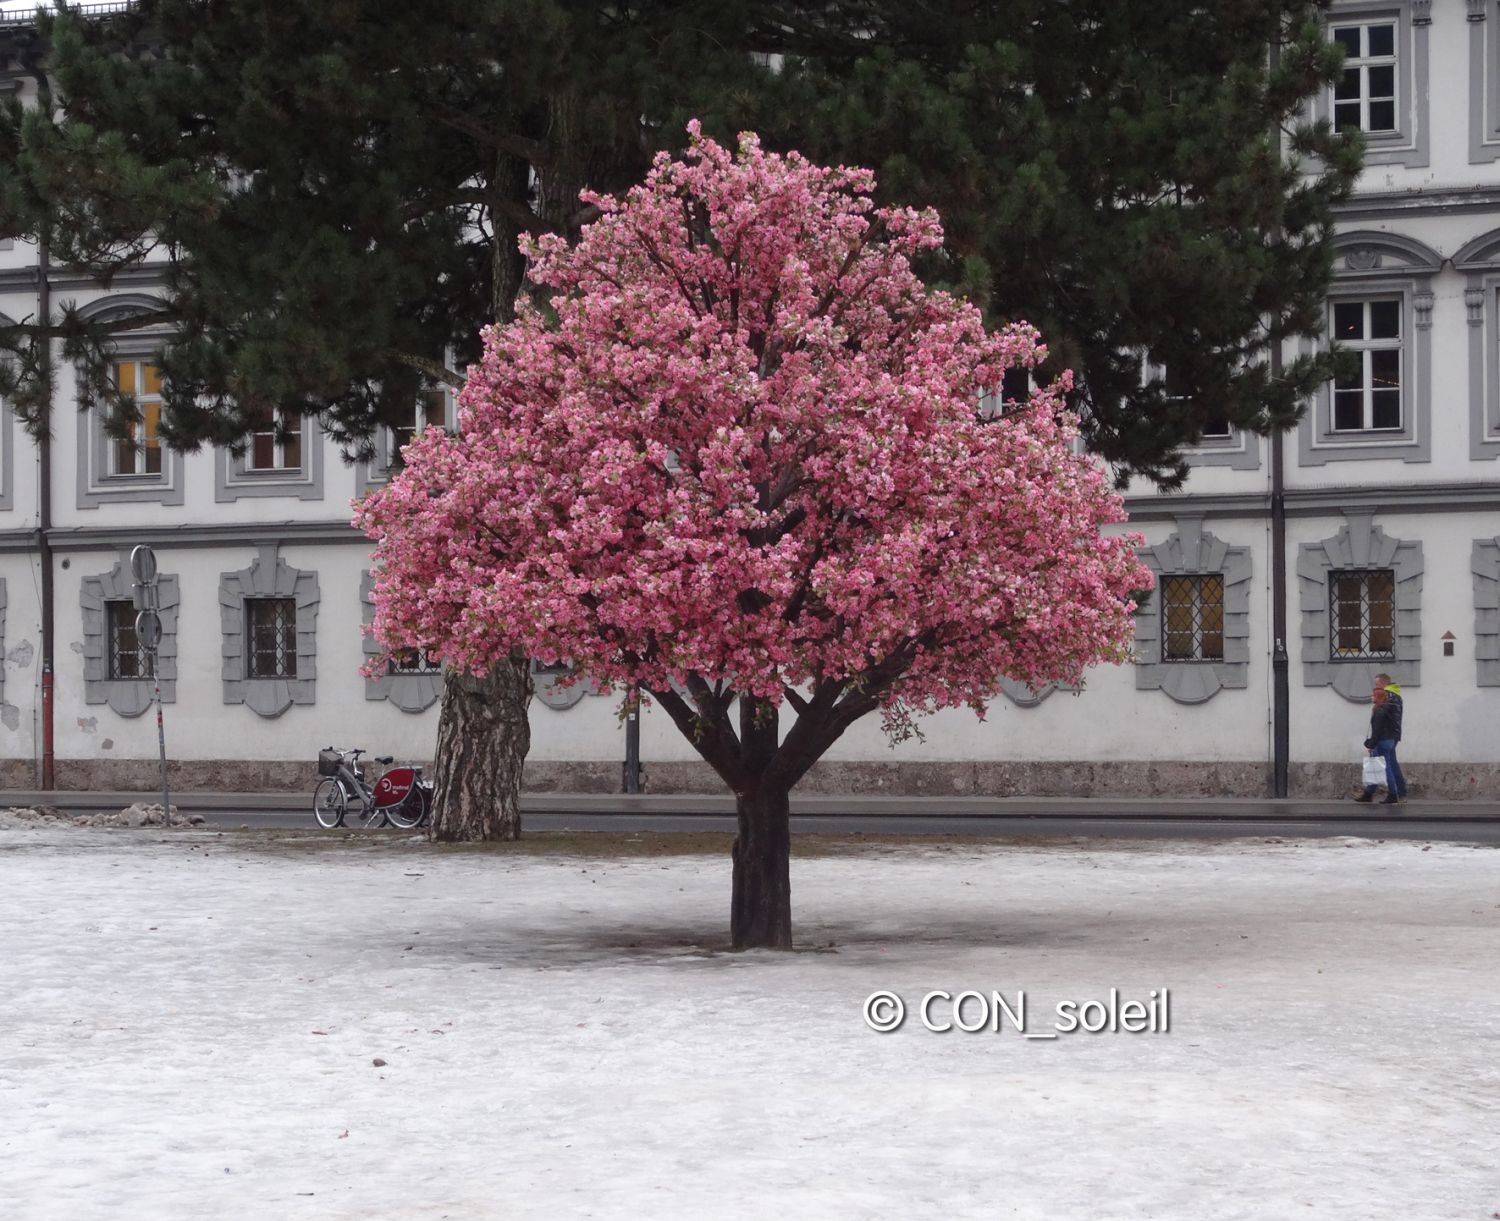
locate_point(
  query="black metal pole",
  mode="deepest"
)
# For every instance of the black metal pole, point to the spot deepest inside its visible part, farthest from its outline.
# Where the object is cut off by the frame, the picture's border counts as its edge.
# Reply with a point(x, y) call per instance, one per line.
point(44, 518)
point(1280, 659)
point(633, 740)
point(1281, 692)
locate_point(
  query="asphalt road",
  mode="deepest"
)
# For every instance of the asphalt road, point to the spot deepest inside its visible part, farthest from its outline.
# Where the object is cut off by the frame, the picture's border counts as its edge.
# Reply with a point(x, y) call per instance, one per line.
point(1447, 830)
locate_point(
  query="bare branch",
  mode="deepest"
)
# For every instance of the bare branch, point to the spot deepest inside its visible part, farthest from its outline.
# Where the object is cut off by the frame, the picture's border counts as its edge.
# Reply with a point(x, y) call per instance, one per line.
point(435, 369)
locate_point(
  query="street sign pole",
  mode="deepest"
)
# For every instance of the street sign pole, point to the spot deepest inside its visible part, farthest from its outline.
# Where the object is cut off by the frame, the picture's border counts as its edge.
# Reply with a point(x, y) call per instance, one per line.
point(148, 637)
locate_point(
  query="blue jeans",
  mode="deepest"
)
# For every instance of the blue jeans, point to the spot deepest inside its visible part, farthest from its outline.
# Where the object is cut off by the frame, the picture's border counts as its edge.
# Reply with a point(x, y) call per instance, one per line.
point(1395, 782)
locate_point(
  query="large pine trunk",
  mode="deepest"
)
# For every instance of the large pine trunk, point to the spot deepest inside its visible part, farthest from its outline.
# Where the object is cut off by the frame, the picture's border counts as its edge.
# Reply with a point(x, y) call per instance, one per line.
point(483, 738)
point(760, 914)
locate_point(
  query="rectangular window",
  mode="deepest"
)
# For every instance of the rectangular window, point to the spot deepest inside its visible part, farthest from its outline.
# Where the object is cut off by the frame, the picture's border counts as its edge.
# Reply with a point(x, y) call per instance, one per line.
point(415, 661)
point(1368, 398)
point(271, 638)
point(276, 442)
point(1362, 606)
point(431, 407)
point(1365, 96)
point(126, 657)
point(140, 452)
point(1193, 618)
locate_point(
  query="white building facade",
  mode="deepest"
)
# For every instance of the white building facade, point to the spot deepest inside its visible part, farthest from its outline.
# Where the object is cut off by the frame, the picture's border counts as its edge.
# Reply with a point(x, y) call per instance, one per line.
point(1392, 493)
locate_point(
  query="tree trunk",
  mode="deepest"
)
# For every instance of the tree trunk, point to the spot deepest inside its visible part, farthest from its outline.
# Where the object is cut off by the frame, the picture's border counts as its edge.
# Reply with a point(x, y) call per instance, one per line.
point(483, 738)
point(760, 909)
point(760, 914)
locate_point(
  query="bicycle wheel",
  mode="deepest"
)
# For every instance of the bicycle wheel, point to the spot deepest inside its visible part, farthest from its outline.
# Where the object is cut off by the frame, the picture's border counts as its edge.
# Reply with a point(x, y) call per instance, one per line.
point(408, 813)
point(364, 813)
point(330, 803)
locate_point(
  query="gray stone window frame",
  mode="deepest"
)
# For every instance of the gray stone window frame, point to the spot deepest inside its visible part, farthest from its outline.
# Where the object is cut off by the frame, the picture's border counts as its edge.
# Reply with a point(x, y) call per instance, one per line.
point(1478, 262)
point(96, 486)
point(1367, 265)
point(1192, 551)
point(1484, 85)
point(269, 576)
point(1359, 544)
point(1408, 144)
point(546, 682)
point(7, 446)
point(375, 472)
point(128, 697)
point(1485, 564)
point(1240, 451)
point(234, 478)
point(409, 692)
point(1025, 696)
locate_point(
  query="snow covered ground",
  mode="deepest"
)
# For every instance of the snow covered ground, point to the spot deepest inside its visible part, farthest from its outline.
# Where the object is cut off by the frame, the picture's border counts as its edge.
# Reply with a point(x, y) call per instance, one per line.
point(191, 1023)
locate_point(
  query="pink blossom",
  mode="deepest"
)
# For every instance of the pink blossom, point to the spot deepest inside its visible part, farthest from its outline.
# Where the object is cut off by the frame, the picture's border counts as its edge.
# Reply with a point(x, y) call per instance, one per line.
point(747, 450)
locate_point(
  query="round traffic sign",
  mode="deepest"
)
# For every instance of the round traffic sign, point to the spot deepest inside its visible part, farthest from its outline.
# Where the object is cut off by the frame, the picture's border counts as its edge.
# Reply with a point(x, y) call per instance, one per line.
point(143, 564)
point(148, 629)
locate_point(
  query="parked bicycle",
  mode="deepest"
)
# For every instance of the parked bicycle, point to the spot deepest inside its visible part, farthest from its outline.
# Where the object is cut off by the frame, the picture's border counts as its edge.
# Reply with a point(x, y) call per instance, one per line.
point(402, 796)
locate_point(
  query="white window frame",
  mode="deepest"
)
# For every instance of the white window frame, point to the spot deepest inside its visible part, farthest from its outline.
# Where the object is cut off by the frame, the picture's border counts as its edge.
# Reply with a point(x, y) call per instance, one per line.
point(278, 432)
point(1365, 348)
point(1362, 63)
point(138, 450)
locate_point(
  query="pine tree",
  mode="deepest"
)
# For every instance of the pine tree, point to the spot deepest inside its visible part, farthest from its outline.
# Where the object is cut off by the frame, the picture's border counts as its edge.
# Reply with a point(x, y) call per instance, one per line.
point(1108, 170)
point(336, 191)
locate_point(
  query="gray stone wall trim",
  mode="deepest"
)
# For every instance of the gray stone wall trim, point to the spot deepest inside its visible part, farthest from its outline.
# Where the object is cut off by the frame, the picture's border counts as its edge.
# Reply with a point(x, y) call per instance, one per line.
point(234, 480)
point(1370, 264)
point(1024, 696)
point(1359, 544)
point(1408, 145)
point(409, 692)
point(268, 577)
point(1190, 550)
point(4, 605)
point(1318, 502)
point(1240, 451)
point(1484, 89)
point(1479, 260)
point(1446, 201)
point(96, 486)
point(126, 697)
point(185, 534)
point(547, 683)
point(1167, 778)
point(7, 446)
point(1485, 564)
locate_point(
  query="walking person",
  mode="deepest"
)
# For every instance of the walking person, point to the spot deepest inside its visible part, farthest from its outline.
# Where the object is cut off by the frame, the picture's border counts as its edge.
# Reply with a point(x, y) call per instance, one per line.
point(1385, 732)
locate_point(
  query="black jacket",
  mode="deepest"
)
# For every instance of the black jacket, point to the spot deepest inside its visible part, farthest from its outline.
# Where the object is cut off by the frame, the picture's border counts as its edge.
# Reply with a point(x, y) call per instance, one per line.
point(1385, 720)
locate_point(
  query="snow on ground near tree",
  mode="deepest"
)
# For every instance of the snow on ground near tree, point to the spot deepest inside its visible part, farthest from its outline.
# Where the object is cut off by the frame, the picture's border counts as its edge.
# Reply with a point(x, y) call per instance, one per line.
point(191, 1023)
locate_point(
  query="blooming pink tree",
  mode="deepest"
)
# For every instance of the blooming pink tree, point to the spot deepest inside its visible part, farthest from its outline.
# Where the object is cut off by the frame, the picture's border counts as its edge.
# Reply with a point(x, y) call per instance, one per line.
point(743, 468)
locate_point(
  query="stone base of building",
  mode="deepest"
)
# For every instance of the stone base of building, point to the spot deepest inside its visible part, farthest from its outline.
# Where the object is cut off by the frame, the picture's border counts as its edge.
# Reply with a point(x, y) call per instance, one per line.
point(1172, 779)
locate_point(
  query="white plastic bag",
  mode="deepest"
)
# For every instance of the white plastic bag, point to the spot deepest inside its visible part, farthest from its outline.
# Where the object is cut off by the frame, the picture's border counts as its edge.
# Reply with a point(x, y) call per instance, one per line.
point(1372, 770)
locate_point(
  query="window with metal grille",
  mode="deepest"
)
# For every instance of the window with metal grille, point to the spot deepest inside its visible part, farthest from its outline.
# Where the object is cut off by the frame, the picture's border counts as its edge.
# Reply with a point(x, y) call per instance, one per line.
point(1193, 618)
point(126, 658)
point(271, 638)
point(1362, 613)
point(1365, 96)
point(415, 661)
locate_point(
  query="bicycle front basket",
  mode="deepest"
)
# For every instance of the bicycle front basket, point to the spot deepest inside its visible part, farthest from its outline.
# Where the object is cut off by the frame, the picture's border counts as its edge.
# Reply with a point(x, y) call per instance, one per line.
point(328, 763)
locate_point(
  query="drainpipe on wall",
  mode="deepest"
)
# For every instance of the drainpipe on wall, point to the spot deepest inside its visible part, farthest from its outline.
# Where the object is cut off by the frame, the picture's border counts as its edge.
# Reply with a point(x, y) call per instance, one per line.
point(44, 517)
point(1280, 661)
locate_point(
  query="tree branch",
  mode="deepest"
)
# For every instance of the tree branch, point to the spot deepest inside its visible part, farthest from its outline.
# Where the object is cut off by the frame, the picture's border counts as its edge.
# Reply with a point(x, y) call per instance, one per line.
point(435, 369)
